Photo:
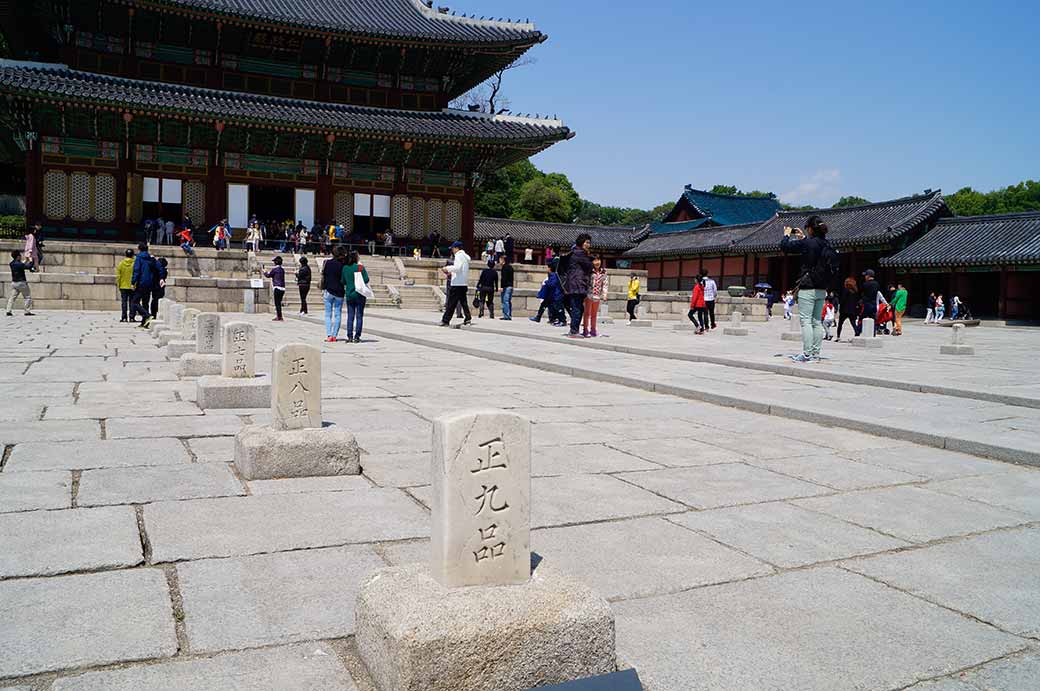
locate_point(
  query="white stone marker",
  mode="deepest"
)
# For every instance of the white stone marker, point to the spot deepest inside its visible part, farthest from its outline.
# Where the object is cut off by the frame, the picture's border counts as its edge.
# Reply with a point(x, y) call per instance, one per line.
point(794, 330)
point(735, 328)
point(239, 351)
point(172, 323)
point(207, 334)
point(481, 469)
point(957, 346)
point(868, 336)
point(188, 319)
point(296, 387)
point(164, 308)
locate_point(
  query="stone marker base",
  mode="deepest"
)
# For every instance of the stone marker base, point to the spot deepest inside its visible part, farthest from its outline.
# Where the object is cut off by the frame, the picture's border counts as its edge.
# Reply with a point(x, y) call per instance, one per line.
point(736, 331)
point(198, 365)
point(175, 349)
point(413, 634)
point(687, 326)
point(957, 350)
point(640, 322)
point(605, 320)
point(965, 322)
point(228, 392)
point(171, 335)
point(791, 336)
point(263, 453)
point(866, 342)
point(156, 324)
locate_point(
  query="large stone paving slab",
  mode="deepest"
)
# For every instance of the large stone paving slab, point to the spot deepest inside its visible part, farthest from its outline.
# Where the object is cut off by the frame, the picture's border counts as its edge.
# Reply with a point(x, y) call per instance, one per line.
point(835, 471)
point(27, 491)
point(89, 619)
point(677, 452)
point(785, 535)
point(296, 485)
point(995, 577)
point(199, 528)
point(580, 459)
point(914, 514)
point(397, 469)
point(816, 629)
point(96, 454)
point(1014, 673)
point(156, 483)
point(247, 602)
point(85, 411)
point(213, 449)
point(929, 462)
point(41, 543)
point(307, 666)
point(49, 430)
point(180, 426)
point(659, 557)
point(1018, 490)
point(728, 484)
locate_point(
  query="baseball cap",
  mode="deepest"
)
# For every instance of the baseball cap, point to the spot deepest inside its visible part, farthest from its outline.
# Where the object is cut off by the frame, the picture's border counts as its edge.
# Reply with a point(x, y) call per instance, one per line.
point(868, 272)
point(457, 244)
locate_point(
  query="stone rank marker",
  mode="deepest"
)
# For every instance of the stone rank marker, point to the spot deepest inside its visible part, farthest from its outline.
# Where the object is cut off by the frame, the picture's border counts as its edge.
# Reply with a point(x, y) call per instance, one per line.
point(239, 348)
point(736, 327)
point(296, 387)
point(478, 617)
point(207, 334)
point(957, 346)
point(481, 467)
point(180, 342)
point(238, 386)
point(296, 443)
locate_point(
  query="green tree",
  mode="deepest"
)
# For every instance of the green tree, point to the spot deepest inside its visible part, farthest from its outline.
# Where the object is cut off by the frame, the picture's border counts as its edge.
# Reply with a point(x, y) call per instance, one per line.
point(849, 201)
point(724, 189)
point(563, 182)
point(541, 200)
point(733, 190)
point(498, 192)
point(1025, 196)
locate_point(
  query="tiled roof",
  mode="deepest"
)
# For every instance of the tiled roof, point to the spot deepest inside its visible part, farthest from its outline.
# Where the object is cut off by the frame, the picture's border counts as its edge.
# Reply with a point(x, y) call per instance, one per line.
point(853, 226)
point(562, 235)
point(383, 18)
point(726, 209)
point(974, 241)
point(65, 85)
point(691, 242)
point(678, 226)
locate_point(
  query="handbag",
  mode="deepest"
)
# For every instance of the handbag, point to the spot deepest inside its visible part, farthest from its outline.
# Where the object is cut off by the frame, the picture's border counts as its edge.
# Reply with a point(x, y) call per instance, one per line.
point(360, 287)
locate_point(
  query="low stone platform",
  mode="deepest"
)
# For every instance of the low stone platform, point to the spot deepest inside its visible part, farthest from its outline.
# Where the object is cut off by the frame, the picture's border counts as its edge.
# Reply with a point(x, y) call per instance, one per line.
point(263, 453)
point(416, 635)
point(791, 336)
point(229, 392)
point(867, 342)
point(956, 349)
point(175, 349)
point(168, 335)
point(735, 331)
point(199, 364)
point(640, 322)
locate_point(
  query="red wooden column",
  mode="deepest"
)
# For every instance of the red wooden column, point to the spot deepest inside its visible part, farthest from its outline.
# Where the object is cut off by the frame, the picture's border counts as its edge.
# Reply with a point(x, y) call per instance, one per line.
point(123, 173)
point(756, 271)
point(468, 220)
point(744, 273)
point(323, 200)
point(216, 193)
point(33, 183)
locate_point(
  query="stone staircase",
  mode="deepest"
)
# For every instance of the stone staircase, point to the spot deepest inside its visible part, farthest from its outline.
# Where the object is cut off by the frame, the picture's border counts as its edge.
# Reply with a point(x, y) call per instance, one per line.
point(419, 297)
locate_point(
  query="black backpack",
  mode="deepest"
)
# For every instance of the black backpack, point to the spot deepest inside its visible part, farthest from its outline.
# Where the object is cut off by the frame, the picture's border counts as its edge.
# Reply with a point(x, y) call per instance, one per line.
point(825, 272)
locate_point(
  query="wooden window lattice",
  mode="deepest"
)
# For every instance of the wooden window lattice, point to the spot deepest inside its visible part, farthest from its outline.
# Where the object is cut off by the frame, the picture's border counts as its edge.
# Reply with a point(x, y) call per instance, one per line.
point(343, 209)
point(105, 198)
point(434, 216)
point(400, 220)
point(453, 220)
point(417, 213)
point(80, 193)
point(55, 194)
point(193, 200)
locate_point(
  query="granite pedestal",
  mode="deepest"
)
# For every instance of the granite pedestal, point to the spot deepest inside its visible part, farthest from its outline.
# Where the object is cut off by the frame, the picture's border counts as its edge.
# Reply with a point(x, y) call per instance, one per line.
point(199, 364)
point(175, 349)
point(215, 392)
point(263, 453)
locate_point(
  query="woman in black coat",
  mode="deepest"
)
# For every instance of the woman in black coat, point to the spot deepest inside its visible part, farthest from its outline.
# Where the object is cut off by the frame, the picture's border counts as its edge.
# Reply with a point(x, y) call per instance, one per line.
point(849, 305)
point(303, 282)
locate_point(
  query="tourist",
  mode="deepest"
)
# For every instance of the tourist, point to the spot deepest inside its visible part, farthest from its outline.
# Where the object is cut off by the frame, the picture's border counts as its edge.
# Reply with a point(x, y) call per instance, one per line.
point(459, 272)
point(597, 294)
point(303, 283)
point(548, 254)
point(32, 246)
point(551, 295)
point(871, 295)
point(711, 291)
point(507, 289)
point(849, 306)
point(355, 295)
point(277, 276)
point(788, 304)
point(899, 300)
point(187, 243)
point(819, 266)
point(770, 301)
point(489, 249)
point(447, 290)
point(633, 297)
point(940, 308)
point(528, 255)
point(929, 304)
point(168, 234)
point(332, 292)
point(160, 290)
point(575, 275)
point(698, 313)
point(828, 317)
point(144, 233)
point(388, 243)
point(125, 285)
point(145, 278)
point(435, 245)
point(955, 307)
point(253, 238)
point(500, 248)
point(160, 230)
point(510, 248)
point(487, 286)
point(19, 284)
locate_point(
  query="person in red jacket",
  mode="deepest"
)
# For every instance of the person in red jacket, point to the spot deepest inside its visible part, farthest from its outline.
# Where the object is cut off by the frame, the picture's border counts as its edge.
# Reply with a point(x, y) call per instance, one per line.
point(698, 313)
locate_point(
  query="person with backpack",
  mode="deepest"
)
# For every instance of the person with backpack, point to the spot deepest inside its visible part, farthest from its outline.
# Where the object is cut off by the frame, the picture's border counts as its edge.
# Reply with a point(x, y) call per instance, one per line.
point(575, 270)
point(124, 271)
point(487, 286)
point(819, 267)
point(145, 279)
point(354, 295)
point(159, 292)
point(698, 313)
point(872, 297)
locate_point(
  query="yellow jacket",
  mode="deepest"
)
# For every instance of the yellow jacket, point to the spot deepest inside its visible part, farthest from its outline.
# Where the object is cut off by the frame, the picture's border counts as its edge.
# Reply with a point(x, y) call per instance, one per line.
point(633, 289)
point(124, 272)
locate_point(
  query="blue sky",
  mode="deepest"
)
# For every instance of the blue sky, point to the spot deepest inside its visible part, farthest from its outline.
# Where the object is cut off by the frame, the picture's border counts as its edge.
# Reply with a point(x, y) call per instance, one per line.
point(810, 100)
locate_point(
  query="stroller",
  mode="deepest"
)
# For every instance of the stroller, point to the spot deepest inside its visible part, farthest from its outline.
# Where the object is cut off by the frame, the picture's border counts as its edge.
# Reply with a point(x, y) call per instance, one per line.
point(885, 316)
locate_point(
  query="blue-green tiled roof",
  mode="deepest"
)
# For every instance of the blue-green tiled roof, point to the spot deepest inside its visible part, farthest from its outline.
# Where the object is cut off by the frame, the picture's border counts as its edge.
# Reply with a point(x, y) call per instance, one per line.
point(662, 227)
point(726, 210)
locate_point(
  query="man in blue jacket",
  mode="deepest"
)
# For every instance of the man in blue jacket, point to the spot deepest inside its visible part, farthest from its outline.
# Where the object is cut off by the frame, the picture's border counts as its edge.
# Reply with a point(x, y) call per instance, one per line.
point(145, 279)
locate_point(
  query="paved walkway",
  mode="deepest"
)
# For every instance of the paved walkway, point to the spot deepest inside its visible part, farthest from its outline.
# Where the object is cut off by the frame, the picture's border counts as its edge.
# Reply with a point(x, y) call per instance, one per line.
point(740, 549)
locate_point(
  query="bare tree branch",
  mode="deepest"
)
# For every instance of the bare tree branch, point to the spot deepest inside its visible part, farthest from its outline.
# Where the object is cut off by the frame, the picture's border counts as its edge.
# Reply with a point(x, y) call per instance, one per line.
point(487, 96)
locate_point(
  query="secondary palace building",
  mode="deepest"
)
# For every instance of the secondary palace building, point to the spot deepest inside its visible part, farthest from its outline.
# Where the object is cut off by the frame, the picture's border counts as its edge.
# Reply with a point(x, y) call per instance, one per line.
point(314, 110)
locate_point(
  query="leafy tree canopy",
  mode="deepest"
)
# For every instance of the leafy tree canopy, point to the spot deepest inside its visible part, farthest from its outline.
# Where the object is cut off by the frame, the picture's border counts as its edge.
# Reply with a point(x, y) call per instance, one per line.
point(849, 201)
point(733, 190)
point(542, 199)
point(1025, 196)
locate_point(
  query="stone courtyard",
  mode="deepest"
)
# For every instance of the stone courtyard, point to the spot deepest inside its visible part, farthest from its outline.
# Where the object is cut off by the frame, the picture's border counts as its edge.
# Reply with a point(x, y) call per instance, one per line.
point(871, 522)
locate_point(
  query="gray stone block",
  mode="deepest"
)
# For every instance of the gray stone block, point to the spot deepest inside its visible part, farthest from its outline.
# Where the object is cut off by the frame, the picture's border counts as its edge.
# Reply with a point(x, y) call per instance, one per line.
point(226, 392)
point(640, 322)
point(103, 453)
point(199, 365)
point(86, 620)
point(959, 349)
point(167, 335)
point(29, 491)
point(175, 349)
point(146, 484)
point(735, 331)
point(262, 453)
point(867, 342)
point(791, 336)
point(684, 326)
point(415, 635)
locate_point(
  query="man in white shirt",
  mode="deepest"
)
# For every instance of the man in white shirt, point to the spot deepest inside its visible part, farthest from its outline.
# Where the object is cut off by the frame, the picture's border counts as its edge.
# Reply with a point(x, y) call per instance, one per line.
point(500, 248)
point(459, 273)
point(711, 291)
